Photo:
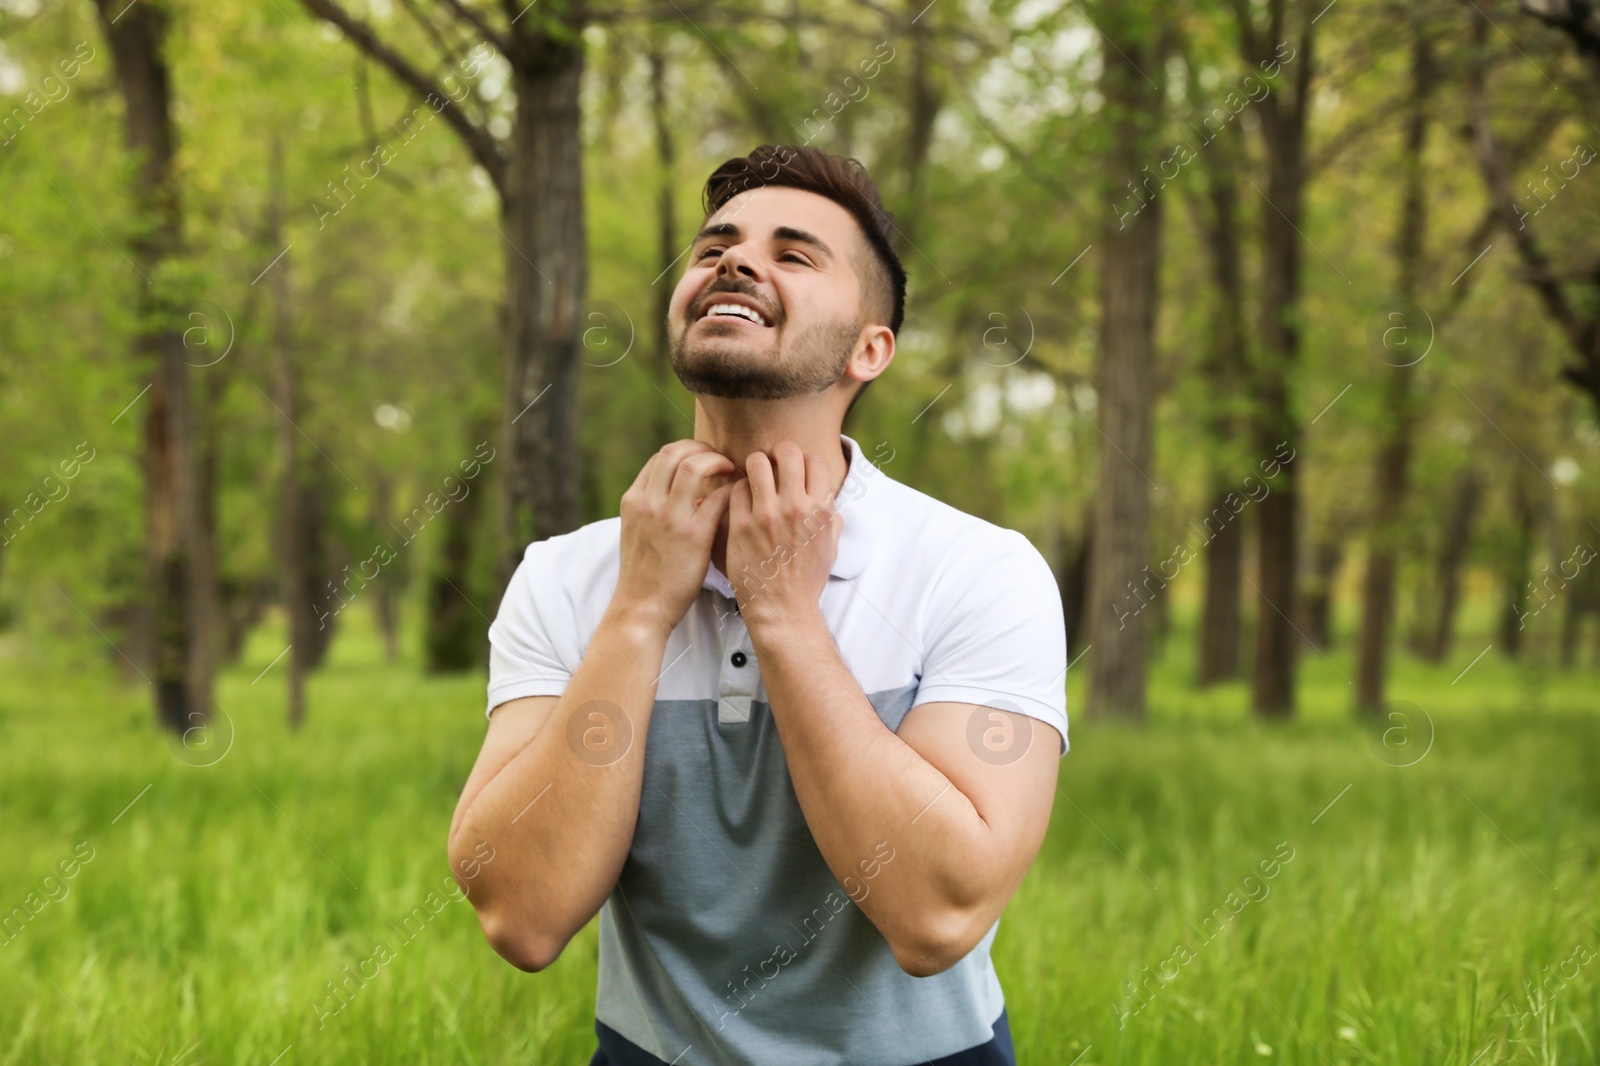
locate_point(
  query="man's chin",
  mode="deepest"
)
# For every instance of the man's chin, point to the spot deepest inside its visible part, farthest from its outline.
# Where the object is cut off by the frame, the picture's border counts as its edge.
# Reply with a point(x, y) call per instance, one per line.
point(733, 383)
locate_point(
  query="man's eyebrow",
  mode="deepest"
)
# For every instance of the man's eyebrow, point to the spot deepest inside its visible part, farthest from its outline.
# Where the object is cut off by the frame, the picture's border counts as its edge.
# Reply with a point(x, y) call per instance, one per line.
point(800, 236)
point(782, 233)
point(719, 229)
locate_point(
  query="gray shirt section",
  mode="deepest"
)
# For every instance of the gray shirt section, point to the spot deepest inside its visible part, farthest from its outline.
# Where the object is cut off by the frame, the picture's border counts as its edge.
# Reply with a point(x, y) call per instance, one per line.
point(728, 934)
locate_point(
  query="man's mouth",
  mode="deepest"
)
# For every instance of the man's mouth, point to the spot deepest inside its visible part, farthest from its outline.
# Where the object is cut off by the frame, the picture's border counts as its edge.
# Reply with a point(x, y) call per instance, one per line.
point(729, 309)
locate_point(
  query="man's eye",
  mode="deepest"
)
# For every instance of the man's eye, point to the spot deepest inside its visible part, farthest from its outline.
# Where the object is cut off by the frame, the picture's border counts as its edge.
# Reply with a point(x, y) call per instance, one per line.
point(709, 251)
point(790, 257)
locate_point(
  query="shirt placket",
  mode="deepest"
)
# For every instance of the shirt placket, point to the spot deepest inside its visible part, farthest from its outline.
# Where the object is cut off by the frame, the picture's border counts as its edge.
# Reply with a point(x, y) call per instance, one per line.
point(738, 680)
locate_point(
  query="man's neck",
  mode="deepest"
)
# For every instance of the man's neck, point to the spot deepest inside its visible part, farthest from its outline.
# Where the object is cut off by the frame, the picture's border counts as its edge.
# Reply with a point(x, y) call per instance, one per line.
point(737, 428)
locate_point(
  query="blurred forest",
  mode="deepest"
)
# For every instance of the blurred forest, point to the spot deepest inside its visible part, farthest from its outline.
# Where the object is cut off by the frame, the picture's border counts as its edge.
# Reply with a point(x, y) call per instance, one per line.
point(1286, 311)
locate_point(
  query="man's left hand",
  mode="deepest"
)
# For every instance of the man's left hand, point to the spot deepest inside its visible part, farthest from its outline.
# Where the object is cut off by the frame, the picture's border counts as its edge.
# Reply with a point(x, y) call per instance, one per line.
point(783, 534)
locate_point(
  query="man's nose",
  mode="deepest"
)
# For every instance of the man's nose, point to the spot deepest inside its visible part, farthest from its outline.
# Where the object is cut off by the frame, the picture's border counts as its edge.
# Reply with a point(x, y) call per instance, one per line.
point(733, 261)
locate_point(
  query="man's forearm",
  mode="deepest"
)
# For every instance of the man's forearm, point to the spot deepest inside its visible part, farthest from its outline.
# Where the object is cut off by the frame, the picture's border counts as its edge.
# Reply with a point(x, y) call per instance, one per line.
point(561, 813)
point(859, 784)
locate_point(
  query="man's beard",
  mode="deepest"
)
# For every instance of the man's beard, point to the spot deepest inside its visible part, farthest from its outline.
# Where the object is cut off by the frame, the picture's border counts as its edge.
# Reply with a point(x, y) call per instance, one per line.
point(815, 361)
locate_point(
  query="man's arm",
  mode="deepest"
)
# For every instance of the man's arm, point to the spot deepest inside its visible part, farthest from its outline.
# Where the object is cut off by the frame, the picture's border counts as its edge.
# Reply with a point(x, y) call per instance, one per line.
point(964, 830)
point(964, 820)
point(555, 790)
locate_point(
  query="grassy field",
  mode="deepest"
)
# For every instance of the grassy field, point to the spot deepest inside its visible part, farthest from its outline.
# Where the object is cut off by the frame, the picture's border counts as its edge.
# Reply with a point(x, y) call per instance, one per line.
point(1403, 914)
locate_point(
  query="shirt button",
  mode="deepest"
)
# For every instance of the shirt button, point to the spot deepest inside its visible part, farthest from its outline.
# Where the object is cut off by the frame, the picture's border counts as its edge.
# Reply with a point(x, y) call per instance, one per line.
point(737, 658)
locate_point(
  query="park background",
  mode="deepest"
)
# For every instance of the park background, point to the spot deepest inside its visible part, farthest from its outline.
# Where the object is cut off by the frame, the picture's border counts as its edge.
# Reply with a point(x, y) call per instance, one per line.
point(1275, 325)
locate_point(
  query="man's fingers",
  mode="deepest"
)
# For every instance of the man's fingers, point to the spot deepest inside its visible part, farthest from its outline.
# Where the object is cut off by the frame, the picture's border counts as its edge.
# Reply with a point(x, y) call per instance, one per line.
point(664, 464)
point(709, 510)
point(697, 476)
point(739, 502)
point(763, 481)
point(791, 465)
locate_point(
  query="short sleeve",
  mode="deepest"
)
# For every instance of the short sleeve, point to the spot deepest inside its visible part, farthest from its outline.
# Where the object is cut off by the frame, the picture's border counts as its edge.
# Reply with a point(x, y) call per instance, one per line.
point(997, 635)
point(525, 636)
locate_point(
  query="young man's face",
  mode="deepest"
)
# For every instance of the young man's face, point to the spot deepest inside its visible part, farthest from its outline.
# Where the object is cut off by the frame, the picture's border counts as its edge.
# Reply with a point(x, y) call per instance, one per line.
point(788, 260)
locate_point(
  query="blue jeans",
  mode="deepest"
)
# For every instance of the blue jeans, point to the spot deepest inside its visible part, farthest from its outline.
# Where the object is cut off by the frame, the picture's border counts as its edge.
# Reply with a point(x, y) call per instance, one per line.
point(617, 1050)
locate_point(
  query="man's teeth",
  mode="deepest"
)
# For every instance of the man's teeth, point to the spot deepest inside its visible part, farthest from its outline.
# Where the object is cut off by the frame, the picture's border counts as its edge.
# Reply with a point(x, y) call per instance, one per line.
point(737, 309)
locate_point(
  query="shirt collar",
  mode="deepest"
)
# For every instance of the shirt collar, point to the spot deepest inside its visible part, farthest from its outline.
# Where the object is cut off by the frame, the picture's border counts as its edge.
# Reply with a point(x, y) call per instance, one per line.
point(855, 502)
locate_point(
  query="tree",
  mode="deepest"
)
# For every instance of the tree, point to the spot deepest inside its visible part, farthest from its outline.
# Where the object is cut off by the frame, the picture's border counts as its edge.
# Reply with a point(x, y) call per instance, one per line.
point(1392, 473)
point(1223, 367)
point(1283, 113)
point(1130, 262)
point(536, 171)
point(179, 554)
point(1577, 316)
point(294, 534)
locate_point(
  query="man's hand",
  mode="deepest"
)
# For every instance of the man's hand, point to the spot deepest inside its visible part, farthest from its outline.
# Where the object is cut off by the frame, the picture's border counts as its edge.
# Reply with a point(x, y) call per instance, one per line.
point(783, 534)
point(670, 516)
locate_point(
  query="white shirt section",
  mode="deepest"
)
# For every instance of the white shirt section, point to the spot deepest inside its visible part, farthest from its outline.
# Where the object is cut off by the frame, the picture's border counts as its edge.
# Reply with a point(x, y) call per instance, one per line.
point(920, 593)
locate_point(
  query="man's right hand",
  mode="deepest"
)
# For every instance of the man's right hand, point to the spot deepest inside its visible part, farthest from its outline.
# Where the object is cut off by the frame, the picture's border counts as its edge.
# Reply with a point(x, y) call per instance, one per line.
point(670, 516)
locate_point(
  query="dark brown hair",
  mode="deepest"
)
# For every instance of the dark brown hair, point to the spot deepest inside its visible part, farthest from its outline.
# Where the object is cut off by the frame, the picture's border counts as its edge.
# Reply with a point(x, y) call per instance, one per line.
point(844, 181)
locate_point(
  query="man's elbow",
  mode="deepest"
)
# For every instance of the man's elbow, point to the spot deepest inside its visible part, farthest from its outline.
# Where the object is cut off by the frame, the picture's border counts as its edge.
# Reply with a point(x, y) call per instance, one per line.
point(513, 941)
point(937, 946)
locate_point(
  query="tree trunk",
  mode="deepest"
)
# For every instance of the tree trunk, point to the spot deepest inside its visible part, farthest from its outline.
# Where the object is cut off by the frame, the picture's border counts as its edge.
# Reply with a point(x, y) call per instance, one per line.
point(666, 241)
point(455, 625)
point(1221, 620)
point(1220, 616)
point(1392, 476)
point(385, 594)
point(539, 177)
point(1317, 612)
point(1457, 538)
point(1282, 123)
point(1575, 316)
point(178, 553)
point(1074, 585)
point(922, 112)
point(1519, 569)
point(546, 271)
point(295, 591)
point(1584, 601)
point(1119, 582)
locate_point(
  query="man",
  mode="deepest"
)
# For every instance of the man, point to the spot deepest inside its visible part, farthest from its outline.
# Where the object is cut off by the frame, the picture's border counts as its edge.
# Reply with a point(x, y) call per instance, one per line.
point(790, 726)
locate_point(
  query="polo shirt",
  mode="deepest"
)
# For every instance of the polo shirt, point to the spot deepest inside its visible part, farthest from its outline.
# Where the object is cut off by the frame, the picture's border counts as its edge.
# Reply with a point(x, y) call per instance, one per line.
point(726, 938)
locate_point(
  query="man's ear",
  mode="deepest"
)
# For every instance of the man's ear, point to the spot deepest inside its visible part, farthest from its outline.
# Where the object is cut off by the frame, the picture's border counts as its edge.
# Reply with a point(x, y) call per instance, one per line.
point(874, 351)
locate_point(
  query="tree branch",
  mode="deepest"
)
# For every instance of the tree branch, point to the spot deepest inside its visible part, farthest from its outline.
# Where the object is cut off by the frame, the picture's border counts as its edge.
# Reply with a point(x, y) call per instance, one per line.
point(501, 43)
point(483, 146)
point(1537, 272)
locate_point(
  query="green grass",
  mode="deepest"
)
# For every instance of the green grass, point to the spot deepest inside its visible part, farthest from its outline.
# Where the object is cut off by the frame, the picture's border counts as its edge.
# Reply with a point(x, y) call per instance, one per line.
point(218, 906)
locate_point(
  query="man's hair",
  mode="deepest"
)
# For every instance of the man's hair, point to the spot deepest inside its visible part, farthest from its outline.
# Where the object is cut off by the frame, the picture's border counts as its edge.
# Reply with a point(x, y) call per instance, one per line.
point(845, 182)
